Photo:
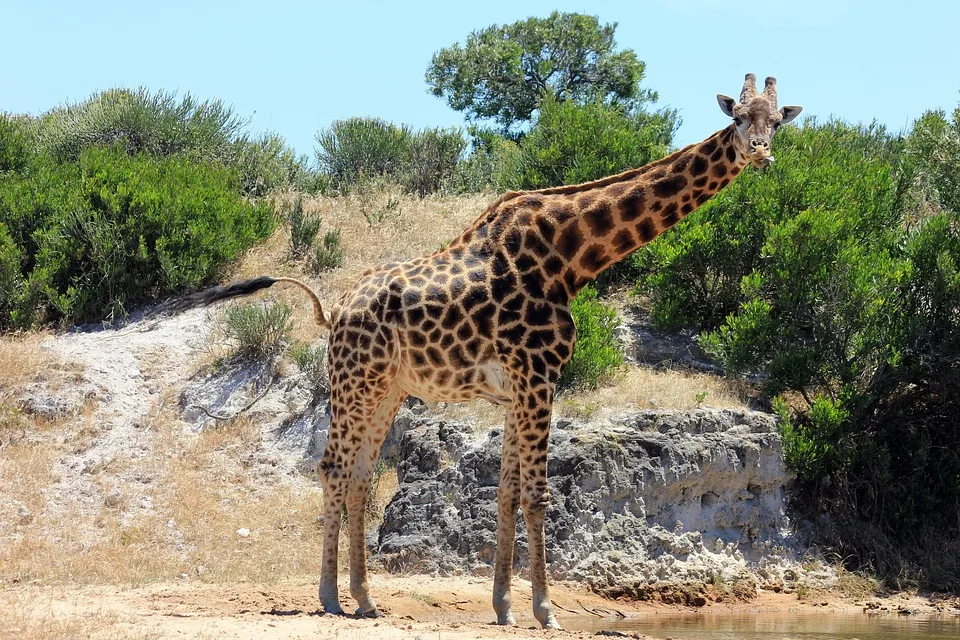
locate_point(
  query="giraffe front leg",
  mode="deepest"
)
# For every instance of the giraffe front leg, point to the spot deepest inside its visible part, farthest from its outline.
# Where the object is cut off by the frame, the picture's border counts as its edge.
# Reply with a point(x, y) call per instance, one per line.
point(533, 428)
point(356, 516)
point(508, 499)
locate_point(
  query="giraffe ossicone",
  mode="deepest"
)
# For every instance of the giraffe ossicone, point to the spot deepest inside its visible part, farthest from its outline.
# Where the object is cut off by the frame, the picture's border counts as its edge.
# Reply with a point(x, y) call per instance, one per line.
point(489, 317)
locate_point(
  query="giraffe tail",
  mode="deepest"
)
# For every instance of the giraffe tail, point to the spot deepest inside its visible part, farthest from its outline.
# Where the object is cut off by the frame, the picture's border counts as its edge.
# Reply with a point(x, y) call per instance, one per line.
point(240, 288)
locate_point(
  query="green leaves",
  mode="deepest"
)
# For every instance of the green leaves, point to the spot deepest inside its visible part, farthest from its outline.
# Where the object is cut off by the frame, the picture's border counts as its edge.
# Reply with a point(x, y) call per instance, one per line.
point(596, 355)
point(503, 72)
point(357, 150)
point(92, 238)
point(572, 143)
point(836, 274)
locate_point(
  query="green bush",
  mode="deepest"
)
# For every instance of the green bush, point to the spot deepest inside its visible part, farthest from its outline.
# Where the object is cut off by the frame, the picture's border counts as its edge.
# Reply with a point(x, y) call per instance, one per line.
point(303, 229)
point(266, 165)
point(434, 154)
point(329, 252)
point(694, 272)
point(357, 151)
point(16, 143)
point(113, 230)
point(353, 150)
point(850, 304)
point(597, 354)
point(572, 143)
point(155, 123)
point(493, 164)
point(312, 361)
point(259, 330)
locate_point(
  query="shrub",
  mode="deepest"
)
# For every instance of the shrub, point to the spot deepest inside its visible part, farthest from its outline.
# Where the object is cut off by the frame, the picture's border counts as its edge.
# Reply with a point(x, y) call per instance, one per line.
point(694, 273)
point(329, 253)
point(266, 165)
point(572, 143)
point(16, 144)
point(312, 361)
point(112, 230)
point(434, 154)
point(852, 309)
point(597, 353)
point(10, 277)
point(357, 149)
point(155, 123)
point(303, 229)
point(258, 329)
point(494, 164)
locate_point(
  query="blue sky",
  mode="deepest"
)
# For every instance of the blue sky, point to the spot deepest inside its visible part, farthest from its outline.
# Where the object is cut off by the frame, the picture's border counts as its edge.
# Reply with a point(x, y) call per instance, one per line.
point(294, 67)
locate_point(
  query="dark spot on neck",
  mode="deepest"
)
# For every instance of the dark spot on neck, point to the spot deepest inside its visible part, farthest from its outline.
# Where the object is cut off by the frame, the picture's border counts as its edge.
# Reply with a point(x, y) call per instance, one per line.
point(545, 227)
point(646, 230)
point(670, 186)
point(670, 216)
point(594, 258)
point(699, 166)
point(622, 241)
point(599, 219)
point(569, 240)
point(680, 164)
point(631, 206)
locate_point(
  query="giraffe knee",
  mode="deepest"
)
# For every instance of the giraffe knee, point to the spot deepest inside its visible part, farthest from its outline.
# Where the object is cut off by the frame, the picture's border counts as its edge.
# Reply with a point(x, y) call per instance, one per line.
point(536, 497)
point(329, 469)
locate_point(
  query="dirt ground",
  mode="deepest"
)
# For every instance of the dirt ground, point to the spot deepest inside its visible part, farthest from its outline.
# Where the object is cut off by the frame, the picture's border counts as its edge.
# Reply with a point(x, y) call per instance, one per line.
point(415, 607)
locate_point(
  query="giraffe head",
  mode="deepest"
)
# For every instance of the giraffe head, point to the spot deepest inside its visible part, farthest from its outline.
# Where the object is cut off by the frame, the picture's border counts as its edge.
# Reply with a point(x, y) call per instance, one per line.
point(757, 117)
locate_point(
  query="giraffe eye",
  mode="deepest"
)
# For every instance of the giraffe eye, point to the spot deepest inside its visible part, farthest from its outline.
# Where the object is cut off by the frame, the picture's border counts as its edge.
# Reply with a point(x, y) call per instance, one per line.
point(737, 121)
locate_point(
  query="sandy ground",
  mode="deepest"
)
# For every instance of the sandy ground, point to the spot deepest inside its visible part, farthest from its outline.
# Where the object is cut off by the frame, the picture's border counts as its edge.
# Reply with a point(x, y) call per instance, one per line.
point(415, 608)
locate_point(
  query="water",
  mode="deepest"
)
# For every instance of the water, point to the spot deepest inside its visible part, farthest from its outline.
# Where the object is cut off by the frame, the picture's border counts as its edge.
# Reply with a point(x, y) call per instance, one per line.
point(780, 626)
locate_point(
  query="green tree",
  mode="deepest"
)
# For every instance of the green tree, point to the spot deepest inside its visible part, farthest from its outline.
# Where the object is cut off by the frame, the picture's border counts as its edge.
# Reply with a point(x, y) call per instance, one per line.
point(572, 143)
point(503, 72)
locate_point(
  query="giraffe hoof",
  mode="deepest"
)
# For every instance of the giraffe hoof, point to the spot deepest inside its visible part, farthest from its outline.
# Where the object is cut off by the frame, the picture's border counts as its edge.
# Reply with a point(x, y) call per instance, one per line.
point(372, 613)
point(551, 623)
point(506, 620)
point(334, 610)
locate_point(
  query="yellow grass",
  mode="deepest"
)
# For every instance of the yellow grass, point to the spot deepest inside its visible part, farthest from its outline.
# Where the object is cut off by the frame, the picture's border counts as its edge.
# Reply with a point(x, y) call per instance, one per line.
point(642, 388)
point(410, 228)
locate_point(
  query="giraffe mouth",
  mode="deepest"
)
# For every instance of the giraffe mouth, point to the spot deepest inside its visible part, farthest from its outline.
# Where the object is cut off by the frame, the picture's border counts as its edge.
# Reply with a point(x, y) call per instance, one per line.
point(762, 162)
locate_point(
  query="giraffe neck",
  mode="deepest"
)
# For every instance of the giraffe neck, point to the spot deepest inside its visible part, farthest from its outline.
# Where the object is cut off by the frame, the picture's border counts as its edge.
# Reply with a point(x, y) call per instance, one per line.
point(616, 217)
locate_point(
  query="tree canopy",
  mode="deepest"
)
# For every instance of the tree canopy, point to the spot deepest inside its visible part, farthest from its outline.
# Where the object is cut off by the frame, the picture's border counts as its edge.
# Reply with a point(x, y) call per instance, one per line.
point(503, 72)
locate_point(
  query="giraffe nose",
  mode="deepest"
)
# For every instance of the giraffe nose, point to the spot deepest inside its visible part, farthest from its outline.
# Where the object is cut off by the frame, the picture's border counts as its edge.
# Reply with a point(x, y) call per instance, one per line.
point(759, 144)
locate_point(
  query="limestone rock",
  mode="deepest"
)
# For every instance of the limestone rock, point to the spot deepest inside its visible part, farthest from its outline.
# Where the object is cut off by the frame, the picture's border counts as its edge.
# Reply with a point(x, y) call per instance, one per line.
point(648, 496)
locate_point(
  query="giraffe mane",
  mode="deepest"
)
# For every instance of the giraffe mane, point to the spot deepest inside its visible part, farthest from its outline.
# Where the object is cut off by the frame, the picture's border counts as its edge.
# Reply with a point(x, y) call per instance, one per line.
point(629, 174)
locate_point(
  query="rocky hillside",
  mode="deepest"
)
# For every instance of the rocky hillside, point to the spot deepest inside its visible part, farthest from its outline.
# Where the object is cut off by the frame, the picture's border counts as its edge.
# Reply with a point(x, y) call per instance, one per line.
point(642, 500)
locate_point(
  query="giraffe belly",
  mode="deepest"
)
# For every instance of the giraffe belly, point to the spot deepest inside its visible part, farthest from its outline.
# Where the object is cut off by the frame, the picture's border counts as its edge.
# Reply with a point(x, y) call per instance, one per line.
point(487, 380)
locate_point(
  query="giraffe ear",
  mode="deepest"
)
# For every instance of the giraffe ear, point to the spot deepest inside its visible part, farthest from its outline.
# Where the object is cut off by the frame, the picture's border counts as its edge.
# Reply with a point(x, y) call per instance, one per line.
point(726, 104)
point(789, 113)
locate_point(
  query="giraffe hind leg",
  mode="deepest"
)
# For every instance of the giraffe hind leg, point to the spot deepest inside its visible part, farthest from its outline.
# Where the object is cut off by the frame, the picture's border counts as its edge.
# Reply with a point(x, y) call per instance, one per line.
point(358, 494)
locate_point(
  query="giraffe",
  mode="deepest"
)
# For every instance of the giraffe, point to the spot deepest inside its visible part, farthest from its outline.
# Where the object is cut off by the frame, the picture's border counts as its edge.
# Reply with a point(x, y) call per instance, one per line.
point(489, 316)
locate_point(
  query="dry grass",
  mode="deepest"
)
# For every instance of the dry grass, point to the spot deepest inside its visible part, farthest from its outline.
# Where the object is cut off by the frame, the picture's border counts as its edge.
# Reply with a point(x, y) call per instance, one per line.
point(410, 228)
point(22, 357)
point(172, 512)
point(643, 388)
point(44, 614)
